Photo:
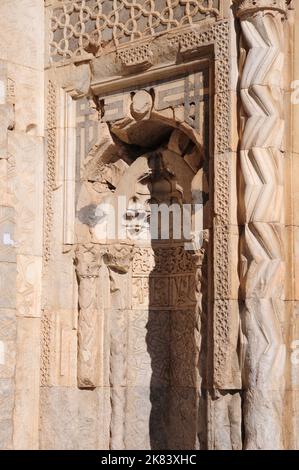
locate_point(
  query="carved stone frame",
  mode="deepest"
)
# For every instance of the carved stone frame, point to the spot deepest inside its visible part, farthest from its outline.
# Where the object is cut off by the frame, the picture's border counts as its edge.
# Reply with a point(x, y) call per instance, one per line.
point(211, 41)
point(217, 38)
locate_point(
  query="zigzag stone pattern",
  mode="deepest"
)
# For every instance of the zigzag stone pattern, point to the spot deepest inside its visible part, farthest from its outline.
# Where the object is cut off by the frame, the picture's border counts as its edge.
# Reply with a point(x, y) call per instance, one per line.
point(262, 264)
point(80, 26)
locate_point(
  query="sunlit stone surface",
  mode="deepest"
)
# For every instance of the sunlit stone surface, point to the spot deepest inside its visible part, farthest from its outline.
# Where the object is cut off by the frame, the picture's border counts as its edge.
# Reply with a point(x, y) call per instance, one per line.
point(149, 222)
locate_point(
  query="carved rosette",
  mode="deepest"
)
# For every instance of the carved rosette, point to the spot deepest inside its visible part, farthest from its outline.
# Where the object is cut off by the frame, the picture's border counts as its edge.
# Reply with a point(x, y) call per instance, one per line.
point(262, 265)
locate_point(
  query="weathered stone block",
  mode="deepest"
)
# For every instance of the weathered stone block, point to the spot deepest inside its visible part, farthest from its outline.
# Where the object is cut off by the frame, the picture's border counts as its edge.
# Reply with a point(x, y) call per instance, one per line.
point(6, 413)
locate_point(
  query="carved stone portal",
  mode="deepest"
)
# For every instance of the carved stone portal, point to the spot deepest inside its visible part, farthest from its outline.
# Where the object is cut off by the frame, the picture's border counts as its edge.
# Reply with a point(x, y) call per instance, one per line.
point(142, 296)
point(149, 224)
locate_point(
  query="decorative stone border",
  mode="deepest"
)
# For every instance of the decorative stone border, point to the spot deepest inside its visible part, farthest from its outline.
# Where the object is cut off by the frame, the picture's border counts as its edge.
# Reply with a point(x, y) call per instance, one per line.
point(215, 39)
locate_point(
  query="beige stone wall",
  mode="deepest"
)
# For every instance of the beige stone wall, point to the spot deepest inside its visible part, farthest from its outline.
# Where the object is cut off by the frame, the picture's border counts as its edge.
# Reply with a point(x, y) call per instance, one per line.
point(22, 166)
point(47, 132)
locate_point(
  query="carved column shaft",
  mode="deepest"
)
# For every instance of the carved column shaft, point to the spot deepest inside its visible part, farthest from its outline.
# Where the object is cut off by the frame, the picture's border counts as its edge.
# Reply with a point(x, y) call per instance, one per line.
point(118, 259)
point(88, 264)
point(262, 266)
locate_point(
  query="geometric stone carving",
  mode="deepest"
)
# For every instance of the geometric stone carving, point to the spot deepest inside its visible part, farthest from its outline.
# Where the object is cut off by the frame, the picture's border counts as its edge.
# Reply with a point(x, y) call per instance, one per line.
point(189, 43)
point(182, 342)
point(262, 265)
point(249, 7)
point(126, 23)
point(50, 168)
point(136, 58)
point(119, 127)
point(88, 261)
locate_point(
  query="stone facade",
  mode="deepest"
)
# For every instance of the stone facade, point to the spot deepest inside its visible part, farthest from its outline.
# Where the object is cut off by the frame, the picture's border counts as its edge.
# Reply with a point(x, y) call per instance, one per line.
point(127, 340)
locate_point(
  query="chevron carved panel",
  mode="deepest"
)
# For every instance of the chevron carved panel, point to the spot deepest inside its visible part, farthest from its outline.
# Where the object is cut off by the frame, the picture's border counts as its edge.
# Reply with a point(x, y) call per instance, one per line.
point(262, 259)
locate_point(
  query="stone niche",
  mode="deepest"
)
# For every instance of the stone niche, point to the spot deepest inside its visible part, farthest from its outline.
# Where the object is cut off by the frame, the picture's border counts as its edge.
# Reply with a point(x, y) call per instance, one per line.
point(142, 308)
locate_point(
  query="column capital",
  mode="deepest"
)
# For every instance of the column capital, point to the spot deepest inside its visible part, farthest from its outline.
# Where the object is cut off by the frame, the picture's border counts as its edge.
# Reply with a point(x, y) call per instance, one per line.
point(247, 7)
